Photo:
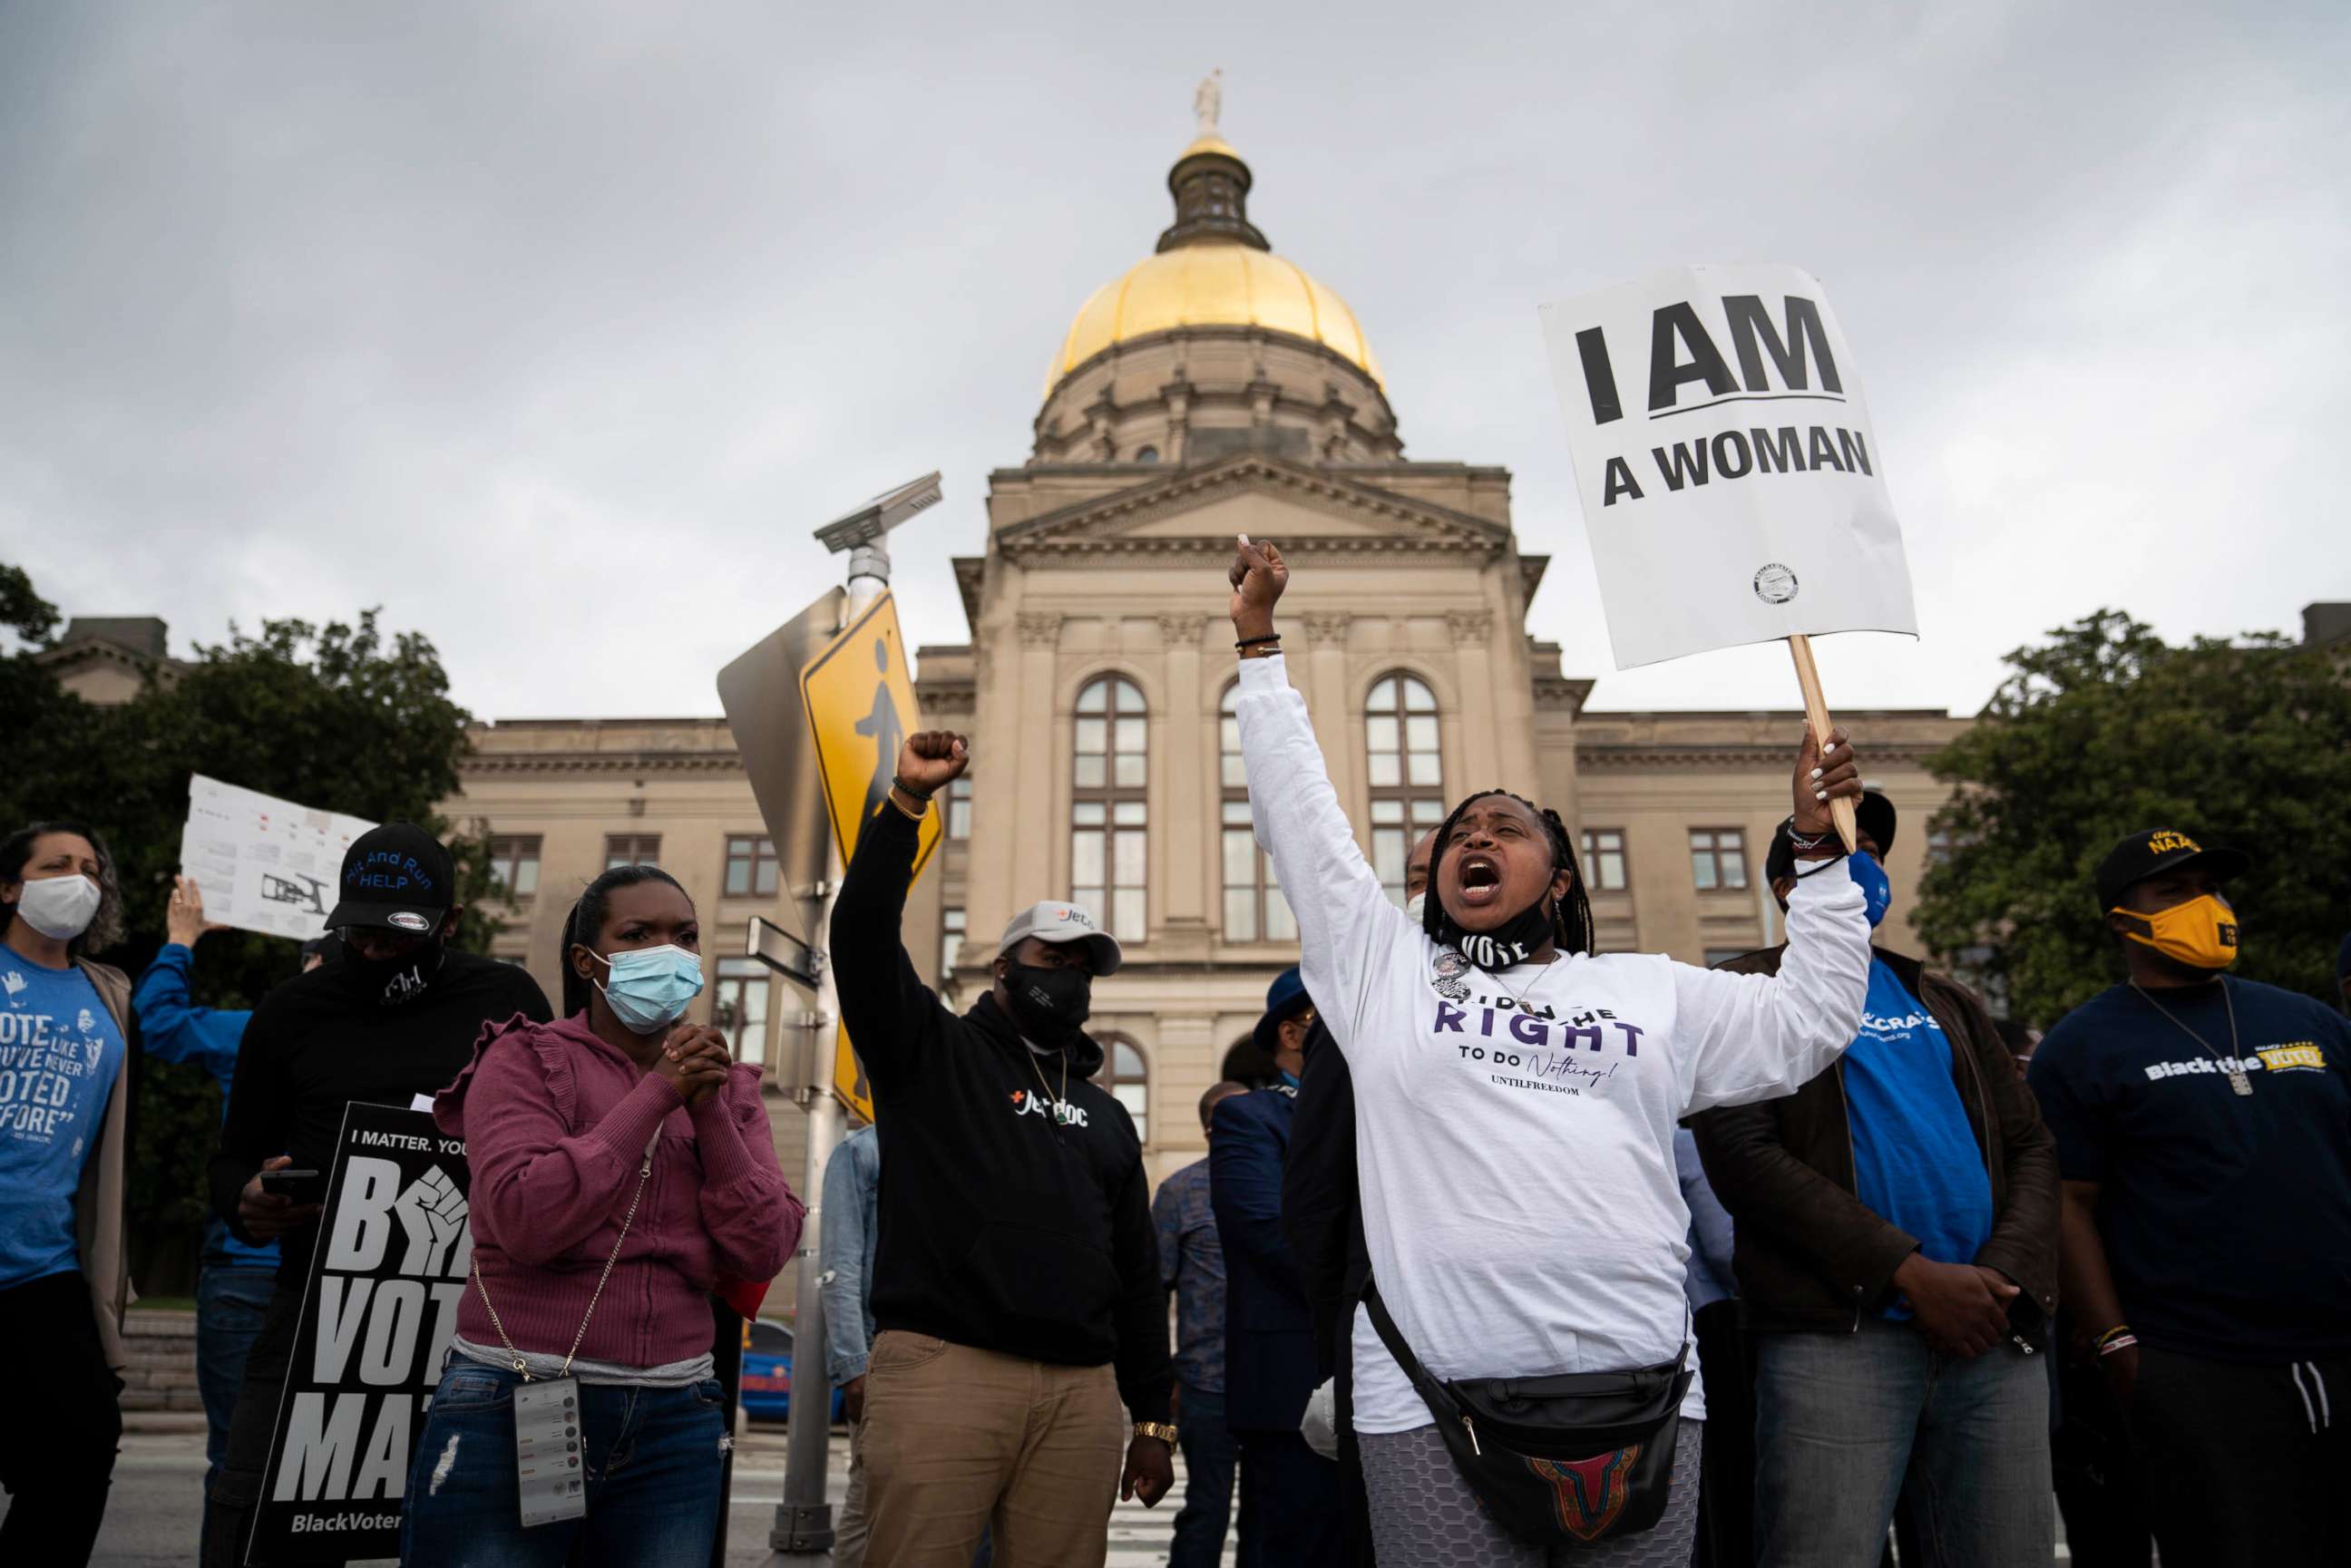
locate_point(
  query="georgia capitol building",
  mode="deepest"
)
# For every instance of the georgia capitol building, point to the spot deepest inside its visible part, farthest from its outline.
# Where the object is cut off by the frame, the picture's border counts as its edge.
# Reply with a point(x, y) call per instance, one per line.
point(1214, 388)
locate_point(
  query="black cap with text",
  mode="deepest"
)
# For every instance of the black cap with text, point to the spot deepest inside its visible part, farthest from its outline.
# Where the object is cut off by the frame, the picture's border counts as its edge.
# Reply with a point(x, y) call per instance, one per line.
point(2140, 855)
point(397, 876)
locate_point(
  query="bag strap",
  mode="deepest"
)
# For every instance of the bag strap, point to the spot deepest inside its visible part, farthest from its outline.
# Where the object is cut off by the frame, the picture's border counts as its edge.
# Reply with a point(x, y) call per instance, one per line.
point(644, 1170)
point(1433, 1394)
point(1438, 1398)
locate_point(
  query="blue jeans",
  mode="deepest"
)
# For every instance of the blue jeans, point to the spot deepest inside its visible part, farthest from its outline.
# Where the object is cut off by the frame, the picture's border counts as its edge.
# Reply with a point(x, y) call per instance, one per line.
point(654, 1457)
point(1848, 1424)
point(230, 1305)
point(1209, 1455)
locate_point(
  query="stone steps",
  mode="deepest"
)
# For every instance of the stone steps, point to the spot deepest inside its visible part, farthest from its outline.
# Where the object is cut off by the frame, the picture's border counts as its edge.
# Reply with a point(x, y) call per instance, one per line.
point(161, 1374)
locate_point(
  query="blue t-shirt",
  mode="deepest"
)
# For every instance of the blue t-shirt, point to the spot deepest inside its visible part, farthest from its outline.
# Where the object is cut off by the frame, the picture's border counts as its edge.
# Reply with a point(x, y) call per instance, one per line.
point(59, 1057)
point(1916, 1161)
point(2226, 1216)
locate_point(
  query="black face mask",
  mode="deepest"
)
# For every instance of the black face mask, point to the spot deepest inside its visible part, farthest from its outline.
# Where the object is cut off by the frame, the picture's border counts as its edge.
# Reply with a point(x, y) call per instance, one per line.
point(1513, 942)
point(1048, 1004)
point(390, 982)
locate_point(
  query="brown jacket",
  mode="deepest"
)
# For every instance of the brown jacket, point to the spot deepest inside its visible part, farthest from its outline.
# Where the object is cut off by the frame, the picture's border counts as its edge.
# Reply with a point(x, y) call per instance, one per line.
point(98, 1205)
point(1808, 1255)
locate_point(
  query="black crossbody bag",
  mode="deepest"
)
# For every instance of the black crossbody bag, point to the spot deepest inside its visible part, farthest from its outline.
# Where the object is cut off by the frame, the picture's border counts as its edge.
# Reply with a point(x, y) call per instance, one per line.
point(1578, 1457)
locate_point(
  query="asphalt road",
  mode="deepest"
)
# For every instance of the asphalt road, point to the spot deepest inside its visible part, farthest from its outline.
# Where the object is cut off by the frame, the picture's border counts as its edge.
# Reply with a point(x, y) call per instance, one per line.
point(152, 1519)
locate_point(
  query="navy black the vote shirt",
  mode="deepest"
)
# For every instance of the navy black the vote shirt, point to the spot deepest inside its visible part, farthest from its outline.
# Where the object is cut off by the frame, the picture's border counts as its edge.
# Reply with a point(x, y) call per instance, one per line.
point(2226, 1217)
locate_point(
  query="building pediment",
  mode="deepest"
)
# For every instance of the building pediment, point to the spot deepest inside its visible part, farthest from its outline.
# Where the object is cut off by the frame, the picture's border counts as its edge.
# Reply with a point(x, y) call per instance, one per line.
point(1198, 510)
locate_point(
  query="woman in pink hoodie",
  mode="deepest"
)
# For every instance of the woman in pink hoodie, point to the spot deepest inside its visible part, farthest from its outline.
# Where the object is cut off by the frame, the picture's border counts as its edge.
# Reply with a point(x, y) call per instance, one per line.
point(621, 1167)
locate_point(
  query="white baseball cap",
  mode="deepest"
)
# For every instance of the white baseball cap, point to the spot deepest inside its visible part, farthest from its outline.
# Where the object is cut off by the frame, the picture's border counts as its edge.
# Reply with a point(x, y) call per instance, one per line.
point(1062, 921)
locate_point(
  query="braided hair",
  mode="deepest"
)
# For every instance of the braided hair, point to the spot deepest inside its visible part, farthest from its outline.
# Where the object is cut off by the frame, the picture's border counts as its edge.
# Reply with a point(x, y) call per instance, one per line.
point(587, 919)
point(1571, 917)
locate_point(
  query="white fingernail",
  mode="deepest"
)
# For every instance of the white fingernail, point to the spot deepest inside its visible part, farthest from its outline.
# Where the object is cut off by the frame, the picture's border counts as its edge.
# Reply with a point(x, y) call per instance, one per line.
point(1243, 538)
point(1820, 794)
point(1827, 748)
point(1816, 772)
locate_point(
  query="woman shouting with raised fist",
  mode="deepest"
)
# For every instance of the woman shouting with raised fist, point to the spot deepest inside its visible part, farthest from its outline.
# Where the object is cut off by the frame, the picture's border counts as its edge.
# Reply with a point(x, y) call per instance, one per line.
point(1525, 1344)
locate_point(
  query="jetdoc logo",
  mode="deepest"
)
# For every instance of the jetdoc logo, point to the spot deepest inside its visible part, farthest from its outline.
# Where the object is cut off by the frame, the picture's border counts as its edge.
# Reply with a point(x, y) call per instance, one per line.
point(1058, 1112)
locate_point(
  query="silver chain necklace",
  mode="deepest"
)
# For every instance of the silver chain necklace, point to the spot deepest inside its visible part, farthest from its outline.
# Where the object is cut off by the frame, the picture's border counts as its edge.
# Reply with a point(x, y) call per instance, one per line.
point(1518, 999)
point(2239, 1079)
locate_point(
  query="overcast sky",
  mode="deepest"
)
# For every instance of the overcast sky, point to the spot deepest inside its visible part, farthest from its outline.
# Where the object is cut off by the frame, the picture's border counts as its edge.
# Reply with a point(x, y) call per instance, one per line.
point(554, 328)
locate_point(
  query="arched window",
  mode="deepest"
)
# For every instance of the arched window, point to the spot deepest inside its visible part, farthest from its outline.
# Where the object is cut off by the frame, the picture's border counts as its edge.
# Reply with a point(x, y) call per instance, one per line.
point(1255, 910)
point(1407, 777)
point(1128, 1078)
point(1146, 454)
point(1109, 847)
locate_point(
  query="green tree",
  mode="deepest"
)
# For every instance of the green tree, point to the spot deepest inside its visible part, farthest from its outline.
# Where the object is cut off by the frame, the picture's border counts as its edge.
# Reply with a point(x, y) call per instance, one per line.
point(2106, 729)
point(21, 611)
point(338, 717)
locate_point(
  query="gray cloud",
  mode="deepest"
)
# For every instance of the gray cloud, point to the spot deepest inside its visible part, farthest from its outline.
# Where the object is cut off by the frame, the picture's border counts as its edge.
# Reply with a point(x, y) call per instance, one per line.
point(554, 328)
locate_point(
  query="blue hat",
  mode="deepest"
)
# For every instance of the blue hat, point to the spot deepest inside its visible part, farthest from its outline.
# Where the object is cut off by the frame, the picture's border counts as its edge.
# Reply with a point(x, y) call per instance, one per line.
point(1284, 999)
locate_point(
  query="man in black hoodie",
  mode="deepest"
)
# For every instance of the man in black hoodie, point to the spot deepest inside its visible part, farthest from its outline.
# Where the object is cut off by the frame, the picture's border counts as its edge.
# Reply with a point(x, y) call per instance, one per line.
point(395, 1016)
point(1016, 1300)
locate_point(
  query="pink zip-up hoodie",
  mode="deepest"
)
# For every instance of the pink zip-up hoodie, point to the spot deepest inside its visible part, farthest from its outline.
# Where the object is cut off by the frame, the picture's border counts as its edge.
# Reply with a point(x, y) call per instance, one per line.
point(554, 1122)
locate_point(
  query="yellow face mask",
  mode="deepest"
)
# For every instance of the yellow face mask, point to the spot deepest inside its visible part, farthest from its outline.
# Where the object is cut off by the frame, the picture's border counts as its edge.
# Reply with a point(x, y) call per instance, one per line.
point(2200, 932)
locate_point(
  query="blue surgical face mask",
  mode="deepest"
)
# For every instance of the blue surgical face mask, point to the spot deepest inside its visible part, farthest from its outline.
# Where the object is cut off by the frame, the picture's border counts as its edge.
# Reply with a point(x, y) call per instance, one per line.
point(651, 986)
point(1875, 885)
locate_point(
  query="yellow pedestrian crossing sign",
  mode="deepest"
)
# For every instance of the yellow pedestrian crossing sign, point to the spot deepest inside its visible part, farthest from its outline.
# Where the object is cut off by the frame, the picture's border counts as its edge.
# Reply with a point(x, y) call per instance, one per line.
point(848, 1081)
point(860, 708)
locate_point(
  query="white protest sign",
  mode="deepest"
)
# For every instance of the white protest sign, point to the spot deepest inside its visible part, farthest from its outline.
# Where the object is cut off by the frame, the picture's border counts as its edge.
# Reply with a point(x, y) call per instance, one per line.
point(1732, 485)
point(263, 864)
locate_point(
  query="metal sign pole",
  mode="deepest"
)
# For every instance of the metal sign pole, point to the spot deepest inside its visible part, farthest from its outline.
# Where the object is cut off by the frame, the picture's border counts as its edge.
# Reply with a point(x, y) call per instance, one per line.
point(803, 1528)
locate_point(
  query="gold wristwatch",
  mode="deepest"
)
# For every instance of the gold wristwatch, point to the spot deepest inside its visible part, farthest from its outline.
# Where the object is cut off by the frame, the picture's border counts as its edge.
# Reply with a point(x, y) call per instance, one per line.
point(1163, 1430)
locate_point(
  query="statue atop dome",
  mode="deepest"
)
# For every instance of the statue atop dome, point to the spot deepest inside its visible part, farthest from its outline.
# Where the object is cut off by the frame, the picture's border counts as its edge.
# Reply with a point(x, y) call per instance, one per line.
point(1208, 101)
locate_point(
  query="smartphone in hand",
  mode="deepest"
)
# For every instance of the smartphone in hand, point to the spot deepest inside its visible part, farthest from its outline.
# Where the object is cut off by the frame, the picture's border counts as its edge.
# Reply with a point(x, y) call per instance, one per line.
point(302, 1187)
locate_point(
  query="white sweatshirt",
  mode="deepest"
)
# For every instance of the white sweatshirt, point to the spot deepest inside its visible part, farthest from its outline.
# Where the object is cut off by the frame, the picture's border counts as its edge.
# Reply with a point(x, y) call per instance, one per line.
point(1517, 1166)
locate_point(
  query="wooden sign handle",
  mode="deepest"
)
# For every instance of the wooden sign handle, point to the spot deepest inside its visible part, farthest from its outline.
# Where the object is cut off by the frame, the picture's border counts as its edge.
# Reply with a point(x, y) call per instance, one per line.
point(1816, 714)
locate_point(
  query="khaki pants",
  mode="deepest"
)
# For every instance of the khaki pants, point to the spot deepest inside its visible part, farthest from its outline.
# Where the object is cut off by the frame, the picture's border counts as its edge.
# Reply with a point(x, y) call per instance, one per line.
point(958, 1439)
point(849, 1529)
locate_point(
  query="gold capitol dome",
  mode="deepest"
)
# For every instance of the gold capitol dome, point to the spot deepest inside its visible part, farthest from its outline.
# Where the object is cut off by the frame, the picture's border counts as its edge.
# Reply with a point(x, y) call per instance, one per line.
point(1213, 268)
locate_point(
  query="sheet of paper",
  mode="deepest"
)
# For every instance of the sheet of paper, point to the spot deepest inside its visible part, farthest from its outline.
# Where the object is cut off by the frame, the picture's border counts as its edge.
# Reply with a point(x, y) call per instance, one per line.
point(263, 864)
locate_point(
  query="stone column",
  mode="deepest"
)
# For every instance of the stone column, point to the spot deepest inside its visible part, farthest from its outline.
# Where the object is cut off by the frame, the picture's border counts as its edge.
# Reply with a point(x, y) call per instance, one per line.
point(1187, 830)
point(1181, 1071)
point(1324, 683)
point(1481, 711)
point(1034, 835)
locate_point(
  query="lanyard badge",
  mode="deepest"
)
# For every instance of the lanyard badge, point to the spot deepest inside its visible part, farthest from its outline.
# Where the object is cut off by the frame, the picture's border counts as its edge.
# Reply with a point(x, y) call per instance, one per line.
point(551, 1469)
point(549, 1451)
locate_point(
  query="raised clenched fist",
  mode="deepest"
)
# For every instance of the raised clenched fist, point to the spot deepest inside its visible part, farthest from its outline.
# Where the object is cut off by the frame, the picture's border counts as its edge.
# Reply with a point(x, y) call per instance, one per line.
point(1257, 577)
point(932, 760)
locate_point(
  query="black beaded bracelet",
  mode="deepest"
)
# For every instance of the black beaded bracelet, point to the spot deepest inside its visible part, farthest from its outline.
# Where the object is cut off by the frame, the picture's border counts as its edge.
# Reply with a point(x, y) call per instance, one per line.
point(1255, 642)
point(908, 789)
